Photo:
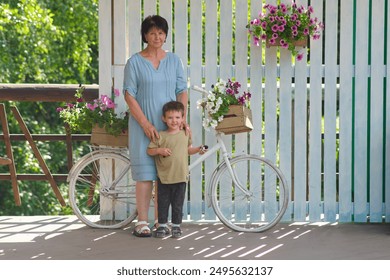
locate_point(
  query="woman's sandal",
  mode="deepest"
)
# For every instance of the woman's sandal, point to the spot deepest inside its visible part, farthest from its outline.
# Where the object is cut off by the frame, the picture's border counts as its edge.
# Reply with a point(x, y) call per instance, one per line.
point(142, 230)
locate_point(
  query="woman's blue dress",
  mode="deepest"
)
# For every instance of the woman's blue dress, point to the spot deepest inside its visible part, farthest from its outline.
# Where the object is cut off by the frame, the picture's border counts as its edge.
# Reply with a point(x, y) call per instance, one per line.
point(152, 88)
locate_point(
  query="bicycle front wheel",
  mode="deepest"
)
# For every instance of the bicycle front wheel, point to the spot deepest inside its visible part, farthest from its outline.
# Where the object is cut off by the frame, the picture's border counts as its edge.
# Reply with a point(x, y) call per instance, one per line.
point(256, 200)
point(101, 191)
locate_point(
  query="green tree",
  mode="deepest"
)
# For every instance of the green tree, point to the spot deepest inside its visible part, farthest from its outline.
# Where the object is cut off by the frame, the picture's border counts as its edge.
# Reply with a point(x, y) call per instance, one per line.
point(44, 41)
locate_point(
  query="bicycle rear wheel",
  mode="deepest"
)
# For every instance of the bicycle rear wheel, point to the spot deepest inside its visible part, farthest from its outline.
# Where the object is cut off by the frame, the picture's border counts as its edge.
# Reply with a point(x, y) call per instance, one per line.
point(94, 199)
point(262, 203)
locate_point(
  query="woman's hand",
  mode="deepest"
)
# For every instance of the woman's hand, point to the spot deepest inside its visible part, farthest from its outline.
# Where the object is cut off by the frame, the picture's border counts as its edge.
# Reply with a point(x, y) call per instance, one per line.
point(186, 128)
point(150, 132)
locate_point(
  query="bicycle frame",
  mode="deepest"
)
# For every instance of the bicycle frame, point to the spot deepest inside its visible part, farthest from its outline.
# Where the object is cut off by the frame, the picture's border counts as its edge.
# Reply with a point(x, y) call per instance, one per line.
point(220, 145)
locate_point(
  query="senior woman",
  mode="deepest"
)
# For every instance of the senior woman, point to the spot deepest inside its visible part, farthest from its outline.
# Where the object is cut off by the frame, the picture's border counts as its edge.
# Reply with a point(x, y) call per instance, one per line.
point(152, 77)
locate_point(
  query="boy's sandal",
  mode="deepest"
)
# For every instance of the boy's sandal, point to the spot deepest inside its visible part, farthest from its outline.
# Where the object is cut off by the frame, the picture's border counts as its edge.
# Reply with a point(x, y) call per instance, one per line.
point(176, 232)
point(142, 230)
point(162, 232)
point(157, 227)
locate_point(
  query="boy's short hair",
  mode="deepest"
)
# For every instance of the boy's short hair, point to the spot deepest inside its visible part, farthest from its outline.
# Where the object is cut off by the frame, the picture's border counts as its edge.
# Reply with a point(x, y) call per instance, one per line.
point(173, 106)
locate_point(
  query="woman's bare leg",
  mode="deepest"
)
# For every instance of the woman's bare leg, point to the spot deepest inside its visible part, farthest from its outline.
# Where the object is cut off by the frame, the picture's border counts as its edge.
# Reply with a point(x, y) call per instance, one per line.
point(143, 197)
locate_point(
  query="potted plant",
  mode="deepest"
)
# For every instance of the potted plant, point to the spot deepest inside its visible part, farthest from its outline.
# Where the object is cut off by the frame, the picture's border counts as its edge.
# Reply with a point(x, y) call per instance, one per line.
point(285, 25)
point(226, 108)
point(97, 117)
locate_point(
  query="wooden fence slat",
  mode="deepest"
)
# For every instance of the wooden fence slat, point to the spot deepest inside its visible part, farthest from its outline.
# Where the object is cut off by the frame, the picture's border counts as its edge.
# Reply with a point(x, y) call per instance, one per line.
point(256, 89)
point(330, 102)
point(376, 111)
point(285, 98)
point(120, 32)
point(315, 125)
point(270, 122)
point(345, 148)
point(387, 122)
point(166, 12)
point(211, 76)
point(226, 58)
point(195, 189)
point(360, 112)
point(181, 49)
point(181, 30)
point(241, 56)
point(149, 8)
point(118, 71)
point(134, 26)
point(105, 50)
point(300, 138)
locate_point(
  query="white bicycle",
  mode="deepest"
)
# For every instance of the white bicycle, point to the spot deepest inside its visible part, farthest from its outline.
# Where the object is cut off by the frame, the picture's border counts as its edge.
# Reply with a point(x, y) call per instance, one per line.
point(248, 193)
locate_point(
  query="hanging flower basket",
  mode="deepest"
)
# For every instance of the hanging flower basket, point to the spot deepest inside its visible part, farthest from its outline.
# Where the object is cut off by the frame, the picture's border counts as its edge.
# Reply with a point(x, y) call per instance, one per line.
point(285, 25)
point(100, 137)
point(237, 120)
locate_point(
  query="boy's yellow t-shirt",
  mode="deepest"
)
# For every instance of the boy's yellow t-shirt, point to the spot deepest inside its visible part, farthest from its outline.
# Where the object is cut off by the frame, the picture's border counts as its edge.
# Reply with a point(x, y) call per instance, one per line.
point(174, 168)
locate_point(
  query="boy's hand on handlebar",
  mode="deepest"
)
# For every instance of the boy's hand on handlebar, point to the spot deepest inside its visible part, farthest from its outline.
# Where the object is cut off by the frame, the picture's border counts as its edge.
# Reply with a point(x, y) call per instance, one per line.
point(203, 149)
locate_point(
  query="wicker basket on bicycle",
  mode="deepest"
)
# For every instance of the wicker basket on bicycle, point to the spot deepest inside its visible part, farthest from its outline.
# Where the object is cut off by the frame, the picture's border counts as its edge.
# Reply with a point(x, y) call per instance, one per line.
point(238, 119)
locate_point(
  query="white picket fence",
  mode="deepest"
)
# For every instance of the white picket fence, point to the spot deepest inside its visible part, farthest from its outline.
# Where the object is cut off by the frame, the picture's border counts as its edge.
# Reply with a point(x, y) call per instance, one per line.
point(329, 130)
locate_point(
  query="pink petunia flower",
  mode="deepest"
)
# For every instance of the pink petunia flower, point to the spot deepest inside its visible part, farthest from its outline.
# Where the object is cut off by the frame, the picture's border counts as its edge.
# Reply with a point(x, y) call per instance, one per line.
point(92, 107)
point(275, 28)
point(256, 41)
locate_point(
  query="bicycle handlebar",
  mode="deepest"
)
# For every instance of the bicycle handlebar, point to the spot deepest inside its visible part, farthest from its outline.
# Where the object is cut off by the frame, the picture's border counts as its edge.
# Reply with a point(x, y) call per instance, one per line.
point(199, 89)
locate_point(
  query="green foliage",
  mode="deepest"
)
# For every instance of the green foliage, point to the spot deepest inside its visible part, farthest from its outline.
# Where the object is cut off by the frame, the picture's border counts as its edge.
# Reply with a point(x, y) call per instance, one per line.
point(44, 41)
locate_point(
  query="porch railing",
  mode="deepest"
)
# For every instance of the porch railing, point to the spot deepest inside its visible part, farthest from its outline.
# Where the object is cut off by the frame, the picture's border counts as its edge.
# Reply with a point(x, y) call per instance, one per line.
point(38, 93)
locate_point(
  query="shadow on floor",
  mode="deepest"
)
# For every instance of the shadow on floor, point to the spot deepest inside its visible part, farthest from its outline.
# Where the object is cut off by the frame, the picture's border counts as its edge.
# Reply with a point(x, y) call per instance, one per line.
point(66, 238)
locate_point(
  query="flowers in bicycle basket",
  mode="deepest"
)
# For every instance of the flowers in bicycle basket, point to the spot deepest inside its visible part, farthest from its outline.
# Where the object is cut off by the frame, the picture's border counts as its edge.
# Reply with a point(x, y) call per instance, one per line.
point(217, 102)
point(81, 116)
point(286, 24)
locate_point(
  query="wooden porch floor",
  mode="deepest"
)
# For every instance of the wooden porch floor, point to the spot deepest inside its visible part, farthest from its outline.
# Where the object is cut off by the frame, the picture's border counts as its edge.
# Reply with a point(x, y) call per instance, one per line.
point(66, 238)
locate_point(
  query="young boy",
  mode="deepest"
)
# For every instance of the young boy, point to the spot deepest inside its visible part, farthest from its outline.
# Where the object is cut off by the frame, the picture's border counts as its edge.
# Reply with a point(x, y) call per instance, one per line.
point(171, 152)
